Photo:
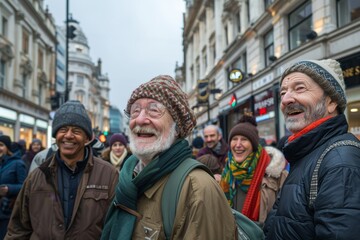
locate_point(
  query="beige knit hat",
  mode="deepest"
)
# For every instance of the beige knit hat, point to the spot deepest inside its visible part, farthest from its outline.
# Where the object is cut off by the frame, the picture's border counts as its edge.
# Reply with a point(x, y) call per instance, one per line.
point(166, 90)
point(327, 73)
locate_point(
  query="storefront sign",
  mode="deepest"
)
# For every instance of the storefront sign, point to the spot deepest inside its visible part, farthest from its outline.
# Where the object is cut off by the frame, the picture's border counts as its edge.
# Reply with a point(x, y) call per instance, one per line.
point(236, 75)
point(203, 91)
point(263, 81)
point(351, 70)
point(264, 105)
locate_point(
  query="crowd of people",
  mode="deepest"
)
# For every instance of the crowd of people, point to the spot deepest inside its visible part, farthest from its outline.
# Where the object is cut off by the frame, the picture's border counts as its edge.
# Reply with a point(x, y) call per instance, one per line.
point(305, 188)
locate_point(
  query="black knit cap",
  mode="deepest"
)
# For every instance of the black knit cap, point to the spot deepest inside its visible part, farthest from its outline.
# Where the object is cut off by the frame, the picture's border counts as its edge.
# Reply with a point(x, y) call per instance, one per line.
point(247, 128)
point(72, 113)
point(6, 141)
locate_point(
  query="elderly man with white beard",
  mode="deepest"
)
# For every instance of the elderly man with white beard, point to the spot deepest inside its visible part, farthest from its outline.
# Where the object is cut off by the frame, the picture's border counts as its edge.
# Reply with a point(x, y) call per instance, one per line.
point(160, 119)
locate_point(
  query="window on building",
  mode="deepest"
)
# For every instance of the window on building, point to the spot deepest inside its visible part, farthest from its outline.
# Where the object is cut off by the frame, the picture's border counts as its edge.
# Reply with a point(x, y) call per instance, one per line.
point(226, 32)
point(79, 80)
point(197, 69)
point(80, 96)
point(347, 11)
point(192, 76)
point(40, 94)
point(2, 73)
point(40, 59)
point(204, 59)
point(25, 84)
point(4, 26)
point(25, 41)
point(212, 51)
point(237, 23)
point(268, 3)
point(300, 24)
point(268, 47)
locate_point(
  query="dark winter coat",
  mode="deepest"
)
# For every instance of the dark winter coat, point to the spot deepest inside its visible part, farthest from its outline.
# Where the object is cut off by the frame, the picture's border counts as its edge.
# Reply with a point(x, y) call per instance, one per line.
point(12, 174)
point(336, 213)
point(38, 211)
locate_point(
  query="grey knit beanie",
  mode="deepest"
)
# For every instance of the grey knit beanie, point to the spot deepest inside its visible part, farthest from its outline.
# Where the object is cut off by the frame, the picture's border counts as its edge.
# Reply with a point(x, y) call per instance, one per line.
point(72, 113)
point(327, 73)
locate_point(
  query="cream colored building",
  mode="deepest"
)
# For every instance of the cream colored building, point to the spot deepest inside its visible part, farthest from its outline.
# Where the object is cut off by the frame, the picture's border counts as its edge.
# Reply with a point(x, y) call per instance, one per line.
point(27, 69)
point(87, 83)
point(261, 38)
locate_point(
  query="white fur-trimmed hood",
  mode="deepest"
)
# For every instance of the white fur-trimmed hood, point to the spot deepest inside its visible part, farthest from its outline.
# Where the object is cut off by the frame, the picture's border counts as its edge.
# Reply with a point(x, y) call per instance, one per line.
point(277, 163)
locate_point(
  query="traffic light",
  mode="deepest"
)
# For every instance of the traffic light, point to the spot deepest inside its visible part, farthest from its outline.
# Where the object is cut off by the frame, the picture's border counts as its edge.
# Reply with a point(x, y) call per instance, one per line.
point(105, 133)
point(233, 100)
point(71, 32)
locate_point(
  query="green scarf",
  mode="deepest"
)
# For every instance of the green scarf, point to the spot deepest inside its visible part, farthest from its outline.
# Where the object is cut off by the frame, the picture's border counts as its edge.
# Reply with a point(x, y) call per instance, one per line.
point(238, 175)
point(119, 224)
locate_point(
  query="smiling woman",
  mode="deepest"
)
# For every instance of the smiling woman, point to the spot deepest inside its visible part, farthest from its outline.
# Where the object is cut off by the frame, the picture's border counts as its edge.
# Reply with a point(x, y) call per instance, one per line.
point(248, 167)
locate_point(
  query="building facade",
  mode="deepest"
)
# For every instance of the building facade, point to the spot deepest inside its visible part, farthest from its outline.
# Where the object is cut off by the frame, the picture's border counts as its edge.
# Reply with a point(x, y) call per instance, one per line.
point(242, 47)
point(27, 69)
point(86, 82)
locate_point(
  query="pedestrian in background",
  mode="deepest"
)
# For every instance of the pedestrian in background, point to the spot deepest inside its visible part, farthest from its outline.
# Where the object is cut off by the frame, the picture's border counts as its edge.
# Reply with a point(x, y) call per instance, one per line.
point(252, 178)
point(12, 175)
point(197, 144)
point(160, 120)
point(67, 196)
point(117, 152)
point(313, 101)
point(212, 163)
point(214, 144)
point(34, 148)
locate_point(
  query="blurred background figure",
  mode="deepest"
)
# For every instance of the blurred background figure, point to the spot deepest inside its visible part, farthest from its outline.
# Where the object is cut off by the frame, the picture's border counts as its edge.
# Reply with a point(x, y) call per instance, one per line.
point(197, 144)
point(118, 151)
point(212, 163)
point(12, 175)
point(252, 178)
point(34, 148)
point(22, 145)
point(214, 144)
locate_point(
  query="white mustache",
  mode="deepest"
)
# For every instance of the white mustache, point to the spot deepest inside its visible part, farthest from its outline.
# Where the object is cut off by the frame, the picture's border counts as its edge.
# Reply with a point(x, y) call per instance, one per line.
point(147, 130)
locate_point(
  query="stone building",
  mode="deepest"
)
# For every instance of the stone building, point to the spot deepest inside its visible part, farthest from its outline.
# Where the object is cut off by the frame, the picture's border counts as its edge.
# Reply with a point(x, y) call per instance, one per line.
point(27, 69)
point(241, 48)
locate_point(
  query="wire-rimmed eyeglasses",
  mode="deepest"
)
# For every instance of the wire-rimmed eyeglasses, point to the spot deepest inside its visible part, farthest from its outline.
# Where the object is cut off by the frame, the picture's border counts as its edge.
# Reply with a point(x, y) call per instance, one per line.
point(153, 110)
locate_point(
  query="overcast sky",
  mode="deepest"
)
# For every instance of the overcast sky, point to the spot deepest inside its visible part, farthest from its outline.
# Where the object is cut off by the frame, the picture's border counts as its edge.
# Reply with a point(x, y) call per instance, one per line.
point(136, 40)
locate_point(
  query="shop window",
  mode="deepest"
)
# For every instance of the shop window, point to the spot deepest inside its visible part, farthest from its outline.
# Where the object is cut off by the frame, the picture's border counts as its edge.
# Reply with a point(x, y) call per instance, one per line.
point(300, 25)
point(354, 118)
point(347, 11)
point(269, 47)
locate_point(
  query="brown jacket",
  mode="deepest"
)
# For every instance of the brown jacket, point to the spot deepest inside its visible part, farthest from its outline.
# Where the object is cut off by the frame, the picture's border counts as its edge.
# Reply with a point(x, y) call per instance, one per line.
point(38, 211)
point(202, 211)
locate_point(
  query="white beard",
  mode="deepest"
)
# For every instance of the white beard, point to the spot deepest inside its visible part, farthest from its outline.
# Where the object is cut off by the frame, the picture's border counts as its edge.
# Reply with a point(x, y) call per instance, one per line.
point(162, 143)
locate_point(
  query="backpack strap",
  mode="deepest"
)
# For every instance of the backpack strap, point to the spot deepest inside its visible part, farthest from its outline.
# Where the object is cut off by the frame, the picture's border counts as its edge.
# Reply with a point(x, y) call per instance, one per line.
point(172, 190)
point(315, 175)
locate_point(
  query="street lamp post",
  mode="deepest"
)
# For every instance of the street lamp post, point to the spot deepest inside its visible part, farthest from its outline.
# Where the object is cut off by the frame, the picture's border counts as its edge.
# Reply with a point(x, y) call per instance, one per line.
point(67, 53)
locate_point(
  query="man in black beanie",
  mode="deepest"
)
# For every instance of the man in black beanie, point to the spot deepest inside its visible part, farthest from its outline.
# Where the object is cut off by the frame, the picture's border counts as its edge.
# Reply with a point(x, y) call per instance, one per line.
point(71, 191)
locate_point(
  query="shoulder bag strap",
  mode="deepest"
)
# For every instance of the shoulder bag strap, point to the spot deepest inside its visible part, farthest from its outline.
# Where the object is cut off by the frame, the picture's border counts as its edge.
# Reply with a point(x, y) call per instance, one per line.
point(172, 190)
point(315, 175)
